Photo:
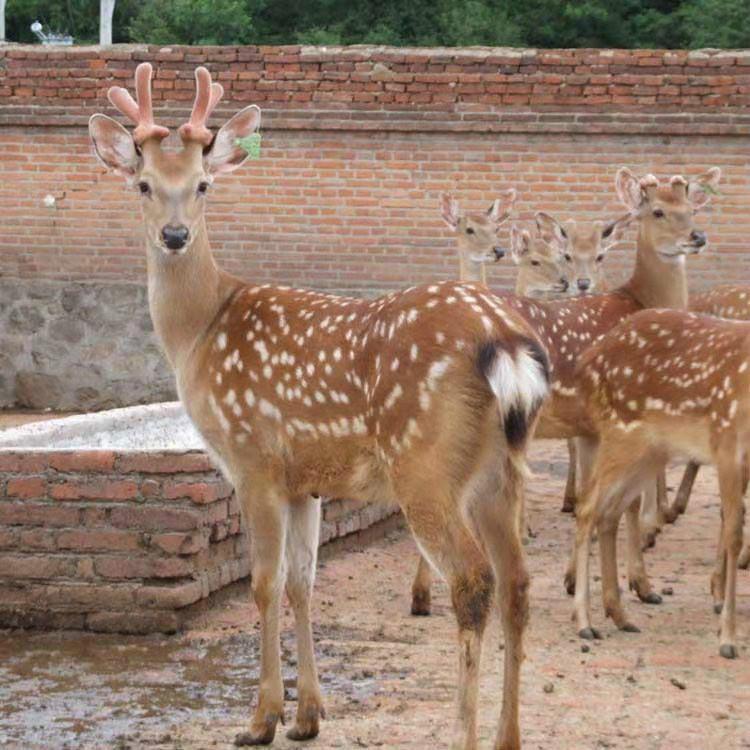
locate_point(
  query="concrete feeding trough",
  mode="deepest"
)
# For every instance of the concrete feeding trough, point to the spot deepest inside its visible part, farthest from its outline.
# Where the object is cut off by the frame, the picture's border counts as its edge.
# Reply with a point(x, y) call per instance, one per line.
point(118, 521)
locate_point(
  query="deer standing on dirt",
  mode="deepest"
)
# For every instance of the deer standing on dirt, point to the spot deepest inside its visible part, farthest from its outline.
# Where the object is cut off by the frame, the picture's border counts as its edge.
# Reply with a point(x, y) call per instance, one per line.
point(732, 302)
point(691, 397)
point(425, 397)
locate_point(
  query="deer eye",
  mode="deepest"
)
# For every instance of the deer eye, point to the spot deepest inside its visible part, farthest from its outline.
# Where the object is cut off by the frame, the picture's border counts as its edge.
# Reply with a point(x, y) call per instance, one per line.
point(600, 258)
point(658, 213)
point(469, 230)
point(202, 187)
point(144, 188)
point(535, 263)
point(568, 257)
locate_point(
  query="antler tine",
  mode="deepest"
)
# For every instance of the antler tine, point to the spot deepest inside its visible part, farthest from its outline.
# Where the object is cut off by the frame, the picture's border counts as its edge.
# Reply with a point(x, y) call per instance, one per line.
point(207, 96)
point(140, 112)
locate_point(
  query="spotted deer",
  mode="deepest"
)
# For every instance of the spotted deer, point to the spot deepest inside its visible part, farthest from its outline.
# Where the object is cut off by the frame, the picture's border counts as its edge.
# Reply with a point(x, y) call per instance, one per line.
point(664, 214)
point(476, 234)
point(424, 397)
point(691, 397)
point(730, 301)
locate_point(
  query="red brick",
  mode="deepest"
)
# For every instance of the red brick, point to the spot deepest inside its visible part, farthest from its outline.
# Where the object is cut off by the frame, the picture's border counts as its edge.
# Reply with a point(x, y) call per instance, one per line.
point(36, 566)
point(198, 492)
point(15, 462)
point(164, 463)
point(95, 490)
point(84, 539)
point(180, 544)
point(96, 461)
point(27, 488)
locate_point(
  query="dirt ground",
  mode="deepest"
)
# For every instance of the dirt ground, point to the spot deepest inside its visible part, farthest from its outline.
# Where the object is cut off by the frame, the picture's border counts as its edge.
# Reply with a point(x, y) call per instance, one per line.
point(389, 678)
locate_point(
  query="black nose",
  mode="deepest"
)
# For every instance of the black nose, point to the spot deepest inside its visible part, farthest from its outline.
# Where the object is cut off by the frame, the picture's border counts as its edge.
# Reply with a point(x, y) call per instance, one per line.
point(698, 238)
point(564, 283)
point(584, 284)
point(499, 252)
point(175, 237)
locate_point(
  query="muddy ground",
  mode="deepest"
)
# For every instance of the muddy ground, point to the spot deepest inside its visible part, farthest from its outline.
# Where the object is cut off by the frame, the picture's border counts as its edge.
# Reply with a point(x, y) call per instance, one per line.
point(389, 678)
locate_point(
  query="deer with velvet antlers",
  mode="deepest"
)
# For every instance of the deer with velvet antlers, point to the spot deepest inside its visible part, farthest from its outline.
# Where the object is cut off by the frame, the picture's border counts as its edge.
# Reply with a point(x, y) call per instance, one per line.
point(424, 397)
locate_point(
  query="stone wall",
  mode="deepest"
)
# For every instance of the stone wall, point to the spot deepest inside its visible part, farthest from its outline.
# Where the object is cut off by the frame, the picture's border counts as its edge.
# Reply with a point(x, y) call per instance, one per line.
point(78, 346)
point(358, 143)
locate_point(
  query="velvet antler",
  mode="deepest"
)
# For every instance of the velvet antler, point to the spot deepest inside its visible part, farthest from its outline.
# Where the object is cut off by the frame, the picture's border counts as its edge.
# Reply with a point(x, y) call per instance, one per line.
point(207, 96)
point(140, 110)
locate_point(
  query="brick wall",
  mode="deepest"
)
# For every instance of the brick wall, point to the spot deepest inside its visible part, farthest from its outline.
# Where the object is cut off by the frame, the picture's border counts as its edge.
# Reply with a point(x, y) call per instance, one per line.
point(359, 142)
point(126, 542)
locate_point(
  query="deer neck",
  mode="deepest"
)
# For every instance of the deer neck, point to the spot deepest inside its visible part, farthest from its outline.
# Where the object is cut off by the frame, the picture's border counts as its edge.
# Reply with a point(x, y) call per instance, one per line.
point(657, 282)
point(185, 294)
point(471, 270)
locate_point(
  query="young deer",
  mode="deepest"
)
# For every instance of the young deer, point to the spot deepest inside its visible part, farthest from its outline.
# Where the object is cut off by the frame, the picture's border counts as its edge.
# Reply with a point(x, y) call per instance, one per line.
point(476, 234)
point(424, 397)
point(691, 397)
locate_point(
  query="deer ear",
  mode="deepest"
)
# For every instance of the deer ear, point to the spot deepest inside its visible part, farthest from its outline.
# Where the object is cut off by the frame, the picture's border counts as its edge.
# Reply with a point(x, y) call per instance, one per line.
point(702, 188)
point(500, 208)
point(449, 210)
point(114, 146)
point(551, 230)
point(614, 231)
point(628, 189)
point(225, 153)
point(520, 243)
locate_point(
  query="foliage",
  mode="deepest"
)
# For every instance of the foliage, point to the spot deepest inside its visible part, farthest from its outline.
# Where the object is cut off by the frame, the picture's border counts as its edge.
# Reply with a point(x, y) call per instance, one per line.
point(534, 23)
point(192, 22)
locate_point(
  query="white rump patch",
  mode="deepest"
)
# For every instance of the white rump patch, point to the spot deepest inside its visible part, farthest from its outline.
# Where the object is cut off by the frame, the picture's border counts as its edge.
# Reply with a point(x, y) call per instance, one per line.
point(517, 380)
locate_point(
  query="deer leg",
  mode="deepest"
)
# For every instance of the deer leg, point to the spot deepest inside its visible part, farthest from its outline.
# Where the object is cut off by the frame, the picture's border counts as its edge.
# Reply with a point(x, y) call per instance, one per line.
point(679, 506)
point(586, 453)
point(302, 557)
point(649, 524)
point(421, 598)
point(638, 580)
point(453, 548)
point(608, 524)
point(569, 501)
point(744, 559)
point(718, 577)
point(265, 509)
point(497, 501)
point(730, 487)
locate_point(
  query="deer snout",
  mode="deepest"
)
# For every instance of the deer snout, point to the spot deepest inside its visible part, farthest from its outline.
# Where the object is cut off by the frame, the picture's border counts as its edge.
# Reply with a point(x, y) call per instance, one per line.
point(175, 237)
point(498, 252)
point(564, 283)
point(584, 284)
point(698, 238)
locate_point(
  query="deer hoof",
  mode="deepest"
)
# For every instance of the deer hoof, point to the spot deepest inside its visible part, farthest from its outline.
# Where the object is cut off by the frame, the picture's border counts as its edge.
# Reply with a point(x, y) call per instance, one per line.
point(728, 651)
point(569, 505)
point(570, 584)
point(651, 598)
point(590, 634)
point(421, 604)
point(628, 627)
point(718, 606)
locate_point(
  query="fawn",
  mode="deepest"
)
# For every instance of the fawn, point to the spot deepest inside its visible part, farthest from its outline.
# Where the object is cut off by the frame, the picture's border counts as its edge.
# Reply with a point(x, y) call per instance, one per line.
point(424, 397)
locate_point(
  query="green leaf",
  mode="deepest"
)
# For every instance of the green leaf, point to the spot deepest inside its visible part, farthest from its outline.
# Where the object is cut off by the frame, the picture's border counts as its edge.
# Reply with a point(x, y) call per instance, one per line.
point(250, 144)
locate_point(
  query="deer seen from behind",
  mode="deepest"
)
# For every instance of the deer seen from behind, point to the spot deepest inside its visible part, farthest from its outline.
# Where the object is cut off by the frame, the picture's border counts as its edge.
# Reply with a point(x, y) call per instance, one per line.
point(425, 398)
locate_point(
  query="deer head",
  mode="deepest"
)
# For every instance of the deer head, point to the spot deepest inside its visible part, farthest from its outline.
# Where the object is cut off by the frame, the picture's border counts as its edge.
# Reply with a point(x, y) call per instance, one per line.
point(666, 210)
point(582, 248)
point(541, 270)
point(476, 233)
point(172, 184)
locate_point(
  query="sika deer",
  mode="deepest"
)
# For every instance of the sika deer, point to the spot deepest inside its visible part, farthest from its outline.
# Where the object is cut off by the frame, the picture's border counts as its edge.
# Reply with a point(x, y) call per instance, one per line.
point(664, 214)
point(691, 397)
point(476, 234)
point(425, 397)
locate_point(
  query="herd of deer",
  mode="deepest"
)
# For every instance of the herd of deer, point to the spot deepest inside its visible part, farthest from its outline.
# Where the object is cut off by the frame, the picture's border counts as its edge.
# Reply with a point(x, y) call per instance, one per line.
point(428, 397)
